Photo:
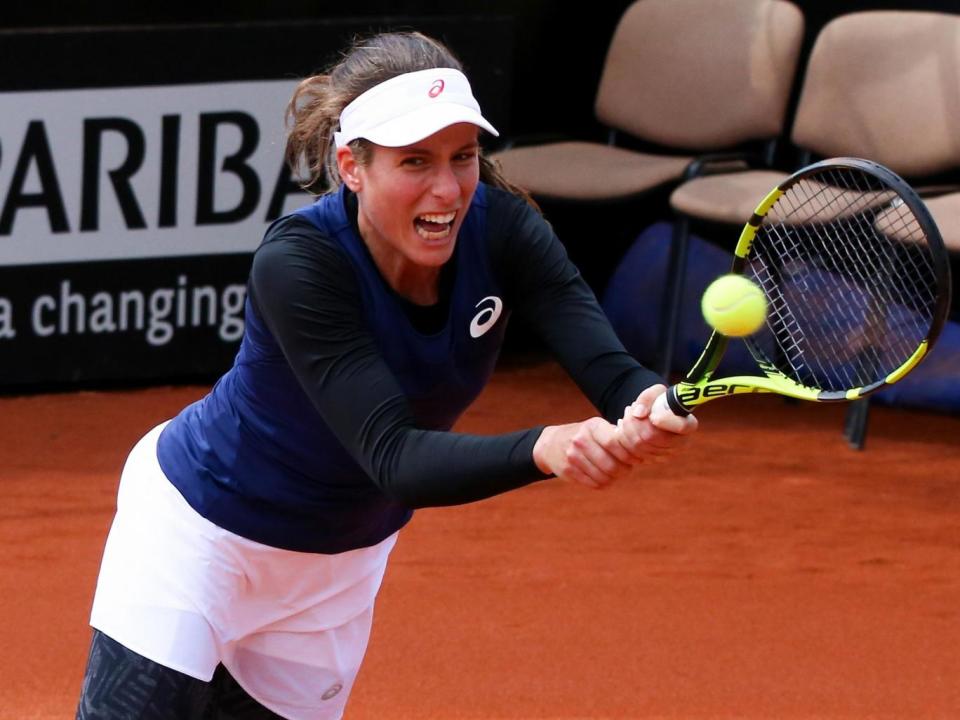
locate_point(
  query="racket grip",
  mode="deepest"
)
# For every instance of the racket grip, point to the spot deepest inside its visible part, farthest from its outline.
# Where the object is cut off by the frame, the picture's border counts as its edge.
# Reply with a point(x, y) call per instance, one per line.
point(666, 405)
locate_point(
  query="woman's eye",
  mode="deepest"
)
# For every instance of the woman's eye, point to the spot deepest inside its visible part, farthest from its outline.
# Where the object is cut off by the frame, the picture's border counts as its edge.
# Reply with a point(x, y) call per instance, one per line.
point(412, 161)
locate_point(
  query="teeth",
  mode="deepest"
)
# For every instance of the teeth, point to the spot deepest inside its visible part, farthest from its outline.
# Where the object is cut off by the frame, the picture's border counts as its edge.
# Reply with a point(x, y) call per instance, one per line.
point(439, 218)
point(433, 235)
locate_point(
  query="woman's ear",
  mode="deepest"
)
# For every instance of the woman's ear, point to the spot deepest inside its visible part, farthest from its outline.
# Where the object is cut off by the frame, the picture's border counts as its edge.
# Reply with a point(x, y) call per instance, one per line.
point(349, 169)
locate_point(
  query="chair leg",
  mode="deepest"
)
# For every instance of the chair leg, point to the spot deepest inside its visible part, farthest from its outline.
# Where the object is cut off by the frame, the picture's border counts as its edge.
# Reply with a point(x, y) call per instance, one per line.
point(673, 294)
point(855, 423)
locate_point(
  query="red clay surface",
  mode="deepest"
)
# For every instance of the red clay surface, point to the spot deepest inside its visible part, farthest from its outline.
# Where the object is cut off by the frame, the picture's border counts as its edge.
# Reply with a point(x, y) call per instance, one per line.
point(769, 572)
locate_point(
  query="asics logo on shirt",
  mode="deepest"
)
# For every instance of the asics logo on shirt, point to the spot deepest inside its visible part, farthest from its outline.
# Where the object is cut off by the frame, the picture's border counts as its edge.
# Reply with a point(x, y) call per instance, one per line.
point(487, 317)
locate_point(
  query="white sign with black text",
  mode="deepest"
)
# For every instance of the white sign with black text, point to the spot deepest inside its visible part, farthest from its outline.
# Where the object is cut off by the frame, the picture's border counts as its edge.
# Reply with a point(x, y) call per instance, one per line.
point(141, 172)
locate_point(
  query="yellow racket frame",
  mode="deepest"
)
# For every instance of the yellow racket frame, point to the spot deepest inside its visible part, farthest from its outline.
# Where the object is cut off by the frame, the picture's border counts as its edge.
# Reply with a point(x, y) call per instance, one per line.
point(698, 387)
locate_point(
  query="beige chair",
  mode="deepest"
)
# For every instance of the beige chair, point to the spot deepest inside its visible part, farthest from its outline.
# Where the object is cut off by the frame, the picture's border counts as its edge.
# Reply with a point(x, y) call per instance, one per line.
point(946, 213)
point(882, 85)
point(681, 78)
point(945, 209)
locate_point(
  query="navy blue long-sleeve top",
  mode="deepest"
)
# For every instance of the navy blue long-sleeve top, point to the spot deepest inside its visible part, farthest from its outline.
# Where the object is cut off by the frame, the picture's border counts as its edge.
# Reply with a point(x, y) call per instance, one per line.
point(334, 422)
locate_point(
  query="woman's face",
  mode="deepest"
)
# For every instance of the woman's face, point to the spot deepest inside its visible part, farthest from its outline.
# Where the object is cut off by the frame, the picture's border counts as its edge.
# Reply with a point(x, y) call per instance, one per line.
point(413, 199)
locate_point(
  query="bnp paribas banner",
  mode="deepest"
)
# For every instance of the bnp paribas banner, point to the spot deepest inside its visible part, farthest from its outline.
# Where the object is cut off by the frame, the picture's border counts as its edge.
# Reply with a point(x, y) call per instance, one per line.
point(128, 218)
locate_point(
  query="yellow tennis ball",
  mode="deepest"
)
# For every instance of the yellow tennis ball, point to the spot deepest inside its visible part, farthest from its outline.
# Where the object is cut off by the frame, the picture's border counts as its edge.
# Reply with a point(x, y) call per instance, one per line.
point(734, 306)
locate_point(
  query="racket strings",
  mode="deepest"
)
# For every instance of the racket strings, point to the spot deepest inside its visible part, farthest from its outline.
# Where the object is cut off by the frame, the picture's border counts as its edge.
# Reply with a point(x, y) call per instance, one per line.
point(849, 279)
point(861, 241)
point(806, 202)
point(857, 330)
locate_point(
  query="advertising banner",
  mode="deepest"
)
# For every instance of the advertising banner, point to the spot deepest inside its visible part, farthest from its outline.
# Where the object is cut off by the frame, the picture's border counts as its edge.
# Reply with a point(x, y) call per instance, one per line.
point(139, 169)
point(127, 219)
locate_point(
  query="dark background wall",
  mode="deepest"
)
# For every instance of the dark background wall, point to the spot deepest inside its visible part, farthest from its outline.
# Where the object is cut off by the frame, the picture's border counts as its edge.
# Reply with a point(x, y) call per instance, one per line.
point(555, 60)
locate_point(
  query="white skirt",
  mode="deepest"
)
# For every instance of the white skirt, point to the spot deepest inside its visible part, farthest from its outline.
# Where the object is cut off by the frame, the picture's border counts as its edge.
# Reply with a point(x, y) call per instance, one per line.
point(291, 627)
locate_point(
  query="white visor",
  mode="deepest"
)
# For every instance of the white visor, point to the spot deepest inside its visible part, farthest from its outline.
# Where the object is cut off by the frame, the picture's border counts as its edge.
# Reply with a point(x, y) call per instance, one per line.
point(407, 108)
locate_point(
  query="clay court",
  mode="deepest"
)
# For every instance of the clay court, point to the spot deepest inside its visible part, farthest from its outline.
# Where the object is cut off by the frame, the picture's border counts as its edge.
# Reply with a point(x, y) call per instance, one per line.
point(770, 572)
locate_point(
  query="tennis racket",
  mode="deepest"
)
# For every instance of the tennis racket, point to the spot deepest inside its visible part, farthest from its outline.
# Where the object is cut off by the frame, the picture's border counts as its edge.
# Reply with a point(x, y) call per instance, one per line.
point(857, 283)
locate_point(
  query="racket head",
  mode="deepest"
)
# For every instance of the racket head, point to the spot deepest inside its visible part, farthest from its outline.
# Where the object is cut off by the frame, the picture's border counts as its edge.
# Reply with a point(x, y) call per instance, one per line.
point(857, 282)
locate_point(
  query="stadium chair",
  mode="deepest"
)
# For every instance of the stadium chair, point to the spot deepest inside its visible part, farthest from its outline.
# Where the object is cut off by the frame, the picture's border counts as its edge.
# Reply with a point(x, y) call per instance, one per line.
point(946, 212)
point(882, 85)
point(945, 209)
point(681, 78)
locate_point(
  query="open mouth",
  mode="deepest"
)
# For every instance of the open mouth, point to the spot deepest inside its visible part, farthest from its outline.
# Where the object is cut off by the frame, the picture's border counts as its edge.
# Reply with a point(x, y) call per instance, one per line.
point(434, 226)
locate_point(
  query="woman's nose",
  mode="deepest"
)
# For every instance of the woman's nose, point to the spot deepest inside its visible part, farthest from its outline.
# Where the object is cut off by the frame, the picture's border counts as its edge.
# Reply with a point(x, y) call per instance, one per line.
point(446, 186)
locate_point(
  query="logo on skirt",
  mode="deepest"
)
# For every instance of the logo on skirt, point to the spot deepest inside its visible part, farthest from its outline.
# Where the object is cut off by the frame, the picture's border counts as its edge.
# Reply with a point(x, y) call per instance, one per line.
point(332, 691)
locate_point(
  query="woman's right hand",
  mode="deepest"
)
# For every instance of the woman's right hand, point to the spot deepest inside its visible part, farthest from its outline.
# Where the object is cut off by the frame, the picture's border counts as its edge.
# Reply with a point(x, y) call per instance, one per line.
point(587, 452)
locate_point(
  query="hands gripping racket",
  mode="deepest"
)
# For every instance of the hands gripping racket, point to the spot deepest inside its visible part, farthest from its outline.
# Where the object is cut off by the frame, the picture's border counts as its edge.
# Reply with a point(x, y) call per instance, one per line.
point(857, 283)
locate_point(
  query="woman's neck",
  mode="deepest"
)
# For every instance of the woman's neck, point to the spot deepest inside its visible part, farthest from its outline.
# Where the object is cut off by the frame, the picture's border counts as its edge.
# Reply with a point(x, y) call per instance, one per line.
point(416, 283)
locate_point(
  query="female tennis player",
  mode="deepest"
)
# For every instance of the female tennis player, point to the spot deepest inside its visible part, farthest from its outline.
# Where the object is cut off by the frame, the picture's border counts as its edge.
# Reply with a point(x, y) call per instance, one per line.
point(253, 529)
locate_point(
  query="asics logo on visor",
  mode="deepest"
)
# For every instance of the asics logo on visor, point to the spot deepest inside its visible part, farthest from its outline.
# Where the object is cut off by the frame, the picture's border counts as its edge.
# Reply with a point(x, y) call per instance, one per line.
point(487, 317)
point(436, 88)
